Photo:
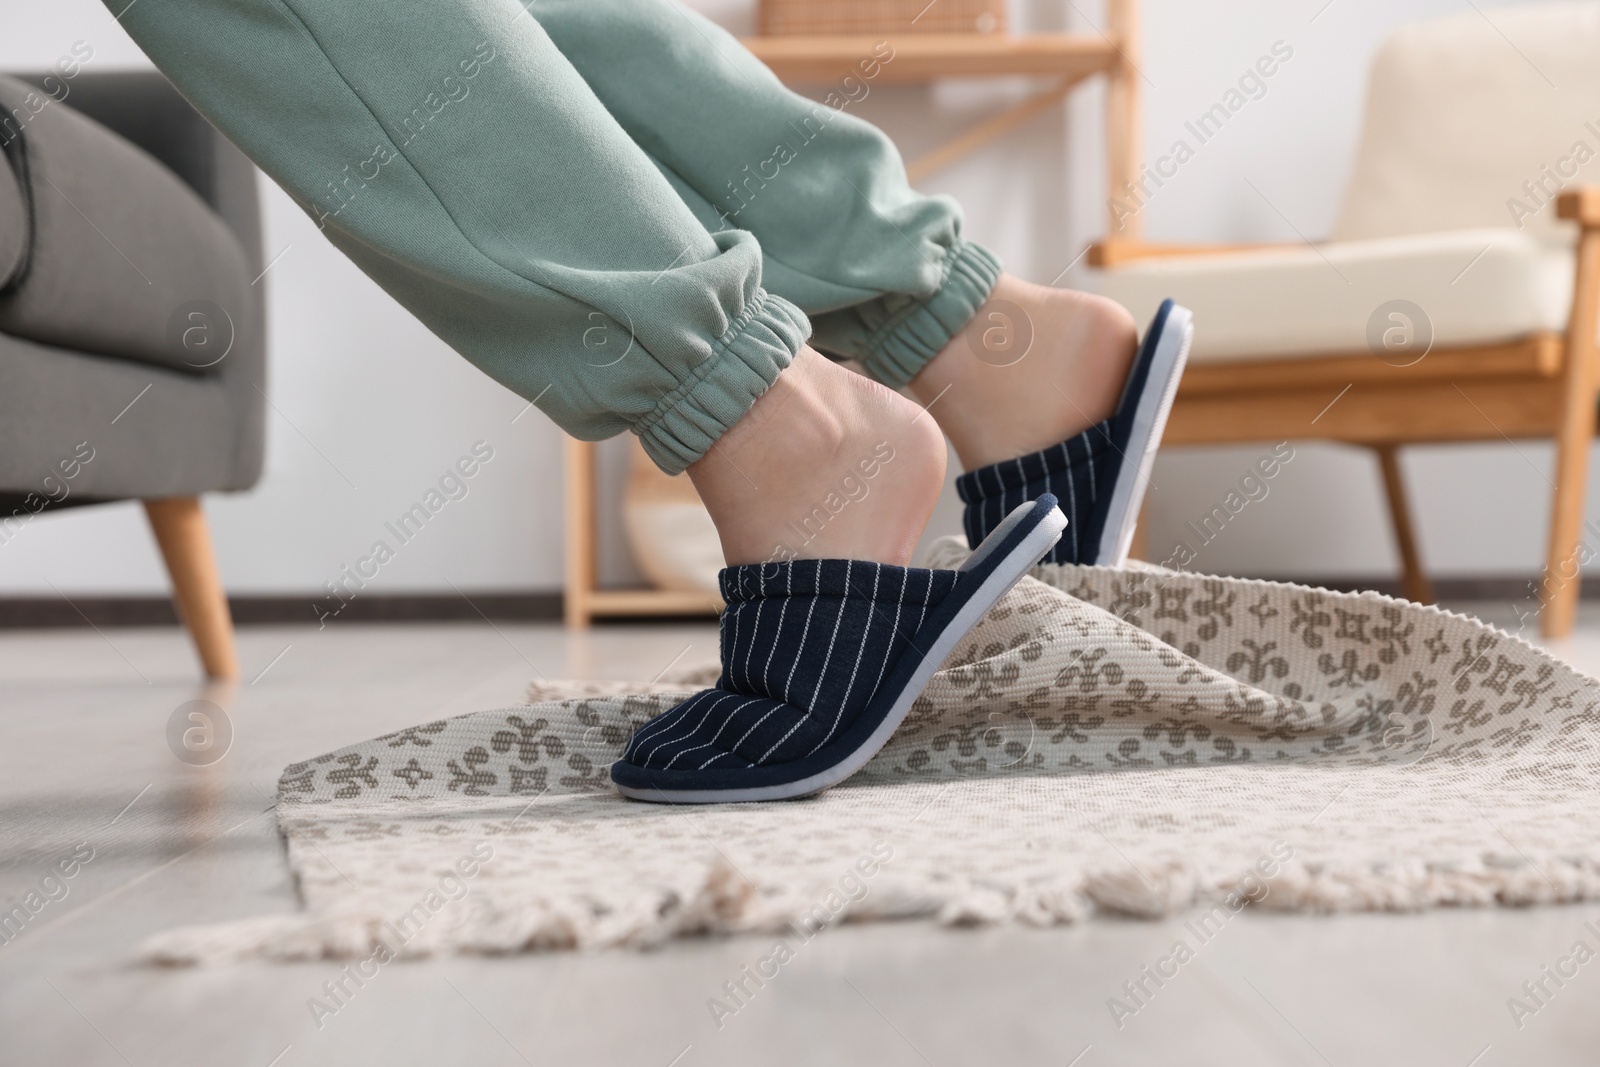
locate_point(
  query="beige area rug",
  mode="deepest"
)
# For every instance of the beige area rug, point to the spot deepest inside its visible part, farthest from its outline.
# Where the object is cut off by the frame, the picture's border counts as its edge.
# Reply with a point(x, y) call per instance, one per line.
point(1134, 741)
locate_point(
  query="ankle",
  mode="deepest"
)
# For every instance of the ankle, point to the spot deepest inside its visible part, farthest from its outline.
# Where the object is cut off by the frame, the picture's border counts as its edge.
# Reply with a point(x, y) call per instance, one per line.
point(827, 464)
point(1035, 366)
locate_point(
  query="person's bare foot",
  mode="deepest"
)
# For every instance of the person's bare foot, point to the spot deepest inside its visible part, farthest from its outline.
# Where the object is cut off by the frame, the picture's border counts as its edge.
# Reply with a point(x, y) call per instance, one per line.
point(1035, 366)
point(826, 465)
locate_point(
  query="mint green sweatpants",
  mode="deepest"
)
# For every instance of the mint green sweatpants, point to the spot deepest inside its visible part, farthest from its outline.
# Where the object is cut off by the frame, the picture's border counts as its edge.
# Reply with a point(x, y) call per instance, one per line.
point(609, 206)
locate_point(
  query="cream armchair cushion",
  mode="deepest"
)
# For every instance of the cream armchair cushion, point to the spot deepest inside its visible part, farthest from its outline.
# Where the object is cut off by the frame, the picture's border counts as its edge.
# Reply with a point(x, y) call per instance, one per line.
point(1475, 286)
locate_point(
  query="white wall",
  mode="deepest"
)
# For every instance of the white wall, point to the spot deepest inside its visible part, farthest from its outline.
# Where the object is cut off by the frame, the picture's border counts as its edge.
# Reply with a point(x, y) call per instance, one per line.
point(370, 408)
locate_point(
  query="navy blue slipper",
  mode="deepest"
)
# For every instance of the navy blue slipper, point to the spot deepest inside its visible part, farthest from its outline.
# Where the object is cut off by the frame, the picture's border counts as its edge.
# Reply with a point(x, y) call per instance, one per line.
point(1100, 475)
point(821, 660)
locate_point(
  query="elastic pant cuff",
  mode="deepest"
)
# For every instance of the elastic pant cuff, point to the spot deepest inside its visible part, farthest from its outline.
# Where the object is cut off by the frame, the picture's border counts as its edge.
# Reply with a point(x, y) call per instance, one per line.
point(903, 344)
point(745, 361)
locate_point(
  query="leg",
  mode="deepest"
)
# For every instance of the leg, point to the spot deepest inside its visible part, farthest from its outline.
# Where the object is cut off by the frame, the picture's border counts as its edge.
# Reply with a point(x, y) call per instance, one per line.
point(883, 458)
point(517, 218)
point(1417, 586)
point(459, 159)
point(185, 541)
point(455, 154)
point(1054, 360)
point(883, 271)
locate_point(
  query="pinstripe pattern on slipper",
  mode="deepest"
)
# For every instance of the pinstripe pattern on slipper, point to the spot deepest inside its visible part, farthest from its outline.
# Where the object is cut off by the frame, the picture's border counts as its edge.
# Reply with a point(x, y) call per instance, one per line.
point(821, 659)
point(1100, 474)
point(1072, 471)
point(805, 647)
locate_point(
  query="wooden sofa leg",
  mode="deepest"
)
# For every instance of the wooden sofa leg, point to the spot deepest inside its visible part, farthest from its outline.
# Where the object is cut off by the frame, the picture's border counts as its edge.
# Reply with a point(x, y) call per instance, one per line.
point(1417, 586)
point(185, 540)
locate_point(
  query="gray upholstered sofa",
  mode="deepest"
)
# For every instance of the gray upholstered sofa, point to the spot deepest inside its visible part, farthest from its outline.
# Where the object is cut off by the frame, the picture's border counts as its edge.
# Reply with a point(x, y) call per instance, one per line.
point(132, 352)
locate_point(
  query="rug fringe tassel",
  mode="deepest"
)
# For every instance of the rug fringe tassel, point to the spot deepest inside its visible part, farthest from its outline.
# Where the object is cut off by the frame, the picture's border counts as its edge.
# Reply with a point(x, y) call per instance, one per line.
point(725, 903)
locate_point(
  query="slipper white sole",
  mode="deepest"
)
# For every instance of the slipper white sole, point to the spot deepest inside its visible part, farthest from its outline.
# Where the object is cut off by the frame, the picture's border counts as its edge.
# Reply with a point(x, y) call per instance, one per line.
point(1149, 422)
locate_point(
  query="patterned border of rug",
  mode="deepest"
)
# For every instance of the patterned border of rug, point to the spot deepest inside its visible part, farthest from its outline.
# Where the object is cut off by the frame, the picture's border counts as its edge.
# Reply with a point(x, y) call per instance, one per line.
point(1130, 741)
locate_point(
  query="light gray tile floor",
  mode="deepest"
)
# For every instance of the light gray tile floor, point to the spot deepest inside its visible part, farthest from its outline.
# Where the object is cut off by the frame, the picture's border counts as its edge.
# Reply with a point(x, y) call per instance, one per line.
point(84, 758)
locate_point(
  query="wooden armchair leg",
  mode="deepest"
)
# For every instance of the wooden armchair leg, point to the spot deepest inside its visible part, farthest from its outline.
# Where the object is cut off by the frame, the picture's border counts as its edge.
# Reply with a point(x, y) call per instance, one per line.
point(1140, 549)
point(1564, 561)
point(1563, 572)
point(1417, 586)
point(181, 531)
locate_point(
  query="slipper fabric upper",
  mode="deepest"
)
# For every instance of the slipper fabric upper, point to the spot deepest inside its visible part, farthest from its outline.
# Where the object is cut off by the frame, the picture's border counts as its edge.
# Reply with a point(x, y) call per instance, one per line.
point(1076, 472)
point(1081, 472)
point(805, 647)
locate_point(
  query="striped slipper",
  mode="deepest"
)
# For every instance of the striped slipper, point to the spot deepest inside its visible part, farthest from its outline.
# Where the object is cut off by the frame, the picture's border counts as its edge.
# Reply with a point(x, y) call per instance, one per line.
point(1100, 475)
point(821, 660)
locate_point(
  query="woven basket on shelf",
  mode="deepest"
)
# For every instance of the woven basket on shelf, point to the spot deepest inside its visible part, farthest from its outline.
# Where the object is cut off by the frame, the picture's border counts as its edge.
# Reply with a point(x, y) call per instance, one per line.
point(824, 18)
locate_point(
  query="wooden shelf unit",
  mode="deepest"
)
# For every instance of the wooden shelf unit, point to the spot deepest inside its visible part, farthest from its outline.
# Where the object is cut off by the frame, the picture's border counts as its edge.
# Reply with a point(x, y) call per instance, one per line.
point(583, 601)
point(925, 57)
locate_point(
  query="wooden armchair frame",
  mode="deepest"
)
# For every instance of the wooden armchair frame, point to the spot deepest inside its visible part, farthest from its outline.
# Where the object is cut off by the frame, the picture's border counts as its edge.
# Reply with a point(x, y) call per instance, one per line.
point(1545, 385)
